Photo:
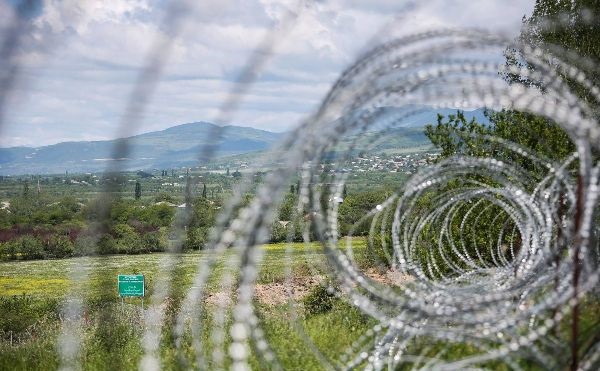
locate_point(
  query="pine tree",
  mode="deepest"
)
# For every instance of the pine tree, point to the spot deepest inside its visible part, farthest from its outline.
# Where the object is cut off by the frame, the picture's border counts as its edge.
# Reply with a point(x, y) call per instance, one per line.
point(204, 191)
point(188, 192)
point(138, 190)
point(25, 189)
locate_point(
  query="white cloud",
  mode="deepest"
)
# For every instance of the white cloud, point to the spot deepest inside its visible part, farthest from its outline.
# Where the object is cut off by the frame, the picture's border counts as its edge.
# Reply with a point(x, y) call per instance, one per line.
point(82, 58)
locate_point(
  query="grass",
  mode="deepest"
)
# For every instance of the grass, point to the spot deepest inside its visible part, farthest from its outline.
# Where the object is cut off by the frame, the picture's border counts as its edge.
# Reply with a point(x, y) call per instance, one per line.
point(112, 340)
point(31, 293)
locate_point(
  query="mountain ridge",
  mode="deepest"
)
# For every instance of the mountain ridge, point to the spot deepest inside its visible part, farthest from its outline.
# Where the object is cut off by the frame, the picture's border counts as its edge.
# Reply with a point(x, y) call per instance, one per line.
point(164, 148)
point(181, 144)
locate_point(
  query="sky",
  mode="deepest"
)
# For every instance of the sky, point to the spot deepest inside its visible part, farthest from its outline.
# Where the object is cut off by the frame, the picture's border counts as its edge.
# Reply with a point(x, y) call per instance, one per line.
point(79, 59)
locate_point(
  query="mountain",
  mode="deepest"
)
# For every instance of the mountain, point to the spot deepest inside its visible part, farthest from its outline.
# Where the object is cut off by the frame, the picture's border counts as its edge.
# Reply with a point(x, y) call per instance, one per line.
point(176, 146)
point(180, 145)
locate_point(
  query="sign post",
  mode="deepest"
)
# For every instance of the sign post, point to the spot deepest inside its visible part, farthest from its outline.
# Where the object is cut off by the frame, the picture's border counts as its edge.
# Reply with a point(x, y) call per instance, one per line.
point(131, 285)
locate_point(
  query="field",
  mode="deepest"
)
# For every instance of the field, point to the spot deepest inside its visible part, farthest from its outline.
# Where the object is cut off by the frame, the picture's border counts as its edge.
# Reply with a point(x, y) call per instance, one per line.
point(30, 293)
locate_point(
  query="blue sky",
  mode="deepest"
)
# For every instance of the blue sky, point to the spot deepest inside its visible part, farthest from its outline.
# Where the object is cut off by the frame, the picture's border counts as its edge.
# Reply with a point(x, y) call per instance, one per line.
point(80, 59)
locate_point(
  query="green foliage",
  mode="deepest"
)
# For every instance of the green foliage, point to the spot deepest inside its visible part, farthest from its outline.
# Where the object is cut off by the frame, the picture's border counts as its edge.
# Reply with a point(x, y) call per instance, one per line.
point(8, 251)
point(456, 135)
point(279, 233)
point(355, 207)
point(577, 29)
point(30, 247)
point(196, 238)
point(84, 245)
point(59, 247)
point(127, 241)
point(25, 189)
point(138, 190)
point(286, 209)
point(575, 32)
point(155, 215)
point(106, 245)
point(320, 299)
point(164, 196)
point(202, 220)
point(154, 241)
point(19, 313)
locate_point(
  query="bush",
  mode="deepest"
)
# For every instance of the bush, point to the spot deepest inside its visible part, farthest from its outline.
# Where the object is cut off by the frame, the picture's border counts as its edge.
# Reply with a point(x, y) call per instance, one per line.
point(59, 247)
point(153, 241)
point(21, 312)
point(320, 299)
point(196, 238)
point(127, 241)
point(84, 245)
point(31, 247)
point(8, 250)
point(106, 245)
point(278, 232)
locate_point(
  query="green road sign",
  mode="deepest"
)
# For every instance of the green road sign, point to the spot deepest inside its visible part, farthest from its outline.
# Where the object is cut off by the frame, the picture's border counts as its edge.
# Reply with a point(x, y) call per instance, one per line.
point(131, 284)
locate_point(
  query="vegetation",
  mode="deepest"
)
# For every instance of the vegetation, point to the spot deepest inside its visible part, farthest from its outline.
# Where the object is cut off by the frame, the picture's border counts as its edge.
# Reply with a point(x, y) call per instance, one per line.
point(30, 292)
point(64, 217)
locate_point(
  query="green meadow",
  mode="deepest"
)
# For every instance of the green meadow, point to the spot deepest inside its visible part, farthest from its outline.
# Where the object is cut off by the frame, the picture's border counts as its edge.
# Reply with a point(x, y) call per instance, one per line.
point(31, 293)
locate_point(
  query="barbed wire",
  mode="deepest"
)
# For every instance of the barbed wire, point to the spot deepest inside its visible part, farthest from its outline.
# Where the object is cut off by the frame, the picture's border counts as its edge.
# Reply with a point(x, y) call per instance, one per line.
point(503, 296)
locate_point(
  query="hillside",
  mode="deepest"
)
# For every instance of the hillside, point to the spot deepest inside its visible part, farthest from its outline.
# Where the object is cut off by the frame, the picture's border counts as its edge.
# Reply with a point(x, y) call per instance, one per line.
point(180, 145)
point(175, 146)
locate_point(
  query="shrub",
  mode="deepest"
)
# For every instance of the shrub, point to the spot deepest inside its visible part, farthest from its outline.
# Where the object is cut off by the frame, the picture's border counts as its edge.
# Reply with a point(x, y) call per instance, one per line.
point(9, 250)
point(59, 247)
point(106, 245)
point(21, 312)
point(31, 247)
point(152, 241)
point(279, 232)
point(320, 299)
point(127, 241)
point(196, 238)
point(84, 245)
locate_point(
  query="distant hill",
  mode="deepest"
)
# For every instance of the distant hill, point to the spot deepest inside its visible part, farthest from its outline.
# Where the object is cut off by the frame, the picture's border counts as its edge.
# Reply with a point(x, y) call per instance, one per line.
point(176, 146)
point(180, 145)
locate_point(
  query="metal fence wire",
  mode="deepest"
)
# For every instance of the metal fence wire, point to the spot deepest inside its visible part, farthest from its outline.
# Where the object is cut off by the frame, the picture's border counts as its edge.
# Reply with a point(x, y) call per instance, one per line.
point(505, 305)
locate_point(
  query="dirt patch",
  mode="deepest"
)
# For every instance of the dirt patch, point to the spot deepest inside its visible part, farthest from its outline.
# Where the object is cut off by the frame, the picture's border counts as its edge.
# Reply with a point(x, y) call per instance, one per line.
point(298, 287)
point(390, 277)
point(279, 292)
point(271, 293)
point(218, 298)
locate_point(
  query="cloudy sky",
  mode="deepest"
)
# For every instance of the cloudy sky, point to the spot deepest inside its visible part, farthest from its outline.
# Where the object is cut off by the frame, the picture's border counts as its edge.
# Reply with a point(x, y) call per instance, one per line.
point(79, 59)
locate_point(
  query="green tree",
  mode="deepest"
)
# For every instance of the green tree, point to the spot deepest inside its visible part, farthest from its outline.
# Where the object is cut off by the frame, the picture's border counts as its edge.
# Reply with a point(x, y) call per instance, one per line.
point(59, 247)
point(25, 189)
point(201, 220)
point(575, 30)
point(355, 207)
point(31, 247)
point(188, 192)
point(558, 28)
point(204, 190)
point(456, 135)
point(138, 190)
